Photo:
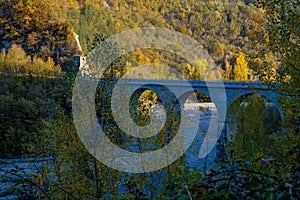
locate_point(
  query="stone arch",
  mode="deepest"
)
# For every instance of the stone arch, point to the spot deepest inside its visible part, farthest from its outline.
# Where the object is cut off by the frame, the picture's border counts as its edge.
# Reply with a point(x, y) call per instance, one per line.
point(266, 94)
point(165, 96)
point(231, 120)
point(184, 96)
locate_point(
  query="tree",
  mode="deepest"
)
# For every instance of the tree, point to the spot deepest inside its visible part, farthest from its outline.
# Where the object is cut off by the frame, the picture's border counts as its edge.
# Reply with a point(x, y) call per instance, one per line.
point(240, 69)
point(227, 73)
point(38, 29)
point(282, 35)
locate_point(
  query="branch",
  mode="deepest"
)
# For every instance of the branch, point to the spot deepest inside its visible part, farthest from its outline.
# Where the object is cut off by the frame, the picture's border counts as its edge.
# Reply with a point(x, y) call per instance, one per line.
point(28, 180)
point(68, 193)
point(35, 184)
point(287, 61)
point(248, 171)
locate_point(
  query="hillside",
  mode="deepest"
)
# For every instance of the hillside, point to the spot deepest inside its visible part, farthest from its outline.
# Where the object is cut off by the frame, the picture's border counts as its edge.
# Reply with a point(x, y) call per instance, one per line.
point(46, 28)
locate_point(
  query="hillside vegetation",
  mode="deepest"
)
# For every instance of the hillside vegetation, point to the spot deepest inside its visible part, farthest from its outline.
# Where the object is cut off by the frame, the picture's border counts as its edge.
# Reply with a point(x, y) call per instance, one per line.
point(46, 28)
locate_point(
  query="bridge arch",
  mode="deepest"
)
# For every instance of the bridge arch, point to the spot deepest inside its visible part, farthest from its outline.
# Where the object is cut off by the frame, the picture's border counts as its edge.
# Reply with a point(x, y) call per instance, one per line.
point(270, 116)
point(270, 95)
point(184, 96)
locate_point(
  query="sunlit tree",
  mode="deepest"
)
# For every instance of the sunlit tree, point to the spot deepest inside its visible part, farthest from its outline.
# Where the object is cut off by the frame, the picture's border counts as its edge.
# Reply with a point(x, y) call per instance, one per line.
point(241, 69)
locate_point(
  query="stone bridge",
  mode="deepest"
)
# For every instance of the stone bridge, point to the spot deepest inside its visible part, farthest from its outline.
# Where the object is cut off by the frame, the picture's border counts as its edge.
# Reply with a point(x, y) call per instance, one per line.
point(174, 93)
point(222, 94)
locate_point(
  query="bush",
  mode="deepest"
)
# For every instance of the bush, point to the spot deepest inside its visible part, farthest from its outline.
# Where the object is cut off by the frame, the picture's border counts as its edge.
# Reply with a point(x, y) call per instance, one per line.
point(17, 62)
point(24, 103)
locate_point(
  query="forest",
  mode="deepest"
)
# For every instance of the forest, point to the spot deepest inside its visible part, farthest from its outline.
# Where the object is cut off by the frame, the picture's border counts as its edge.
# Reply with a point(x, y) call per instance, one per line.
point(248, 40)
